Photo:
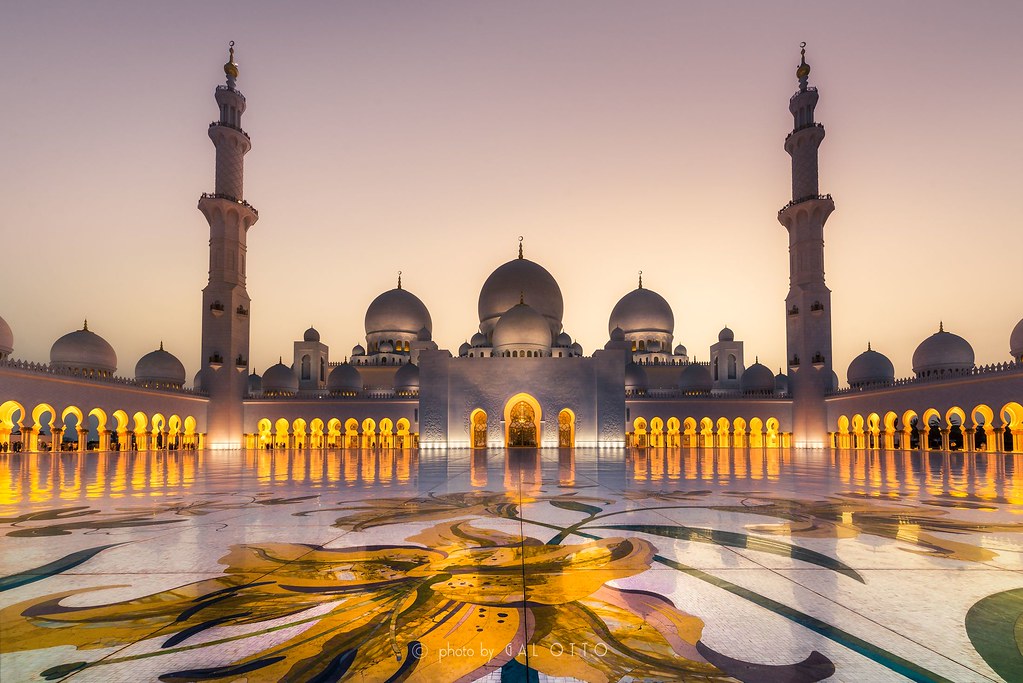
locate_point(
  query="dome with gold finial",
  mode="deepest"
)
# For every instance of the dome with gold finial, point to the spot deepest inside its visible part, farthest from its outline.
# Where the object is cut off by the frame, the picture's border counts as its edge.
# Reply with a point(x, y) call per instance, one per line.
point(803, 70)
point(231, 68)
point(84, 351)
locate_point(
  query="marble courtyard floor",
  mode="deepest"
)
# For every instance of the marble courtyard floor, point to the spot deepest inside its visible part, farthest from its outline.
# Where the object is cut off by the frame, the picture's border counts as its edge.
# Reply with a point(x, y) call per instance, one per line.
point(659, 565)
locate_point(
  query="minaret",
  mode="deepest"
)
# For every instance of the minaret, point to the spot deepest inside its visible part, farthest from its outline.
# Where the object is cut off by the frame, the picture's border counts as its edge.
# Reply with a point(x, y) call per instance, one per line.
point(808, 304)
point(225, 302)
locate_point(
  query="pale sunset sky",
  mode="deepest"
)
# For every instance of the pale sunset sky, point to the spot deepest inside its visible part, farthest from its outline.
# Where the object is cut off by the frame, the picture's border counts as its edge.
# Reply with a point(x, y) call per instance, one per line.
point(427, 136)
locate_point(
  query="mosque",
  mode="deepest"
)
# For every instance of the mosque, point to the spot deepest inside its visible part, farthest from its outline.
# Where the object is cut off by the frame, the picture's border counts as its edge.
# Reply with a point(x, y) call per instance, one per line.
point(520, 379)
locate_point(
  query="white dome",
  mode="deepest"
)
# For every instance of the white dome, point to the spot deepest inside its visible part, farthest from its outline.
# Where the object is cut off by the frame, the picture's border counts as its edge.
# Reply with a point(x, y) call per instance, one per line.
point(635, 377)
point(870, 367)
point(479, 339)
point(781, 383)
point(197, 381)
point(617, 335)
point(695, 379)
point(6, 338)
point(726, 335)
point(463, 350)
point(386, 347)
point(83, 350)
point(407, 377)
point(425, 334)
point(522, 326)
point(160, 367)
point(942, 352)
point(255, 383)
point(1015, 341)
point(345, 378)
point(681, 351)
point(397, 310)
point(757, 379)
point(577, 348)
point(311, 335)
point(280, 379)
point(357, 350)
point(642, 310)
point(564, 340)
point(515, 280)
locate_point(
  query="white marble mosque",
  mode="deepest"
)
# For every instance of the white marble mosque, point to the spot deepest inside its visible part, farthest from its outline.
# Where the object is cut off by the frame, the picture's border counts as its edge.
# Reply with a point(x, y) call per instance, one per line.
point(520, 378)
point(518, 509)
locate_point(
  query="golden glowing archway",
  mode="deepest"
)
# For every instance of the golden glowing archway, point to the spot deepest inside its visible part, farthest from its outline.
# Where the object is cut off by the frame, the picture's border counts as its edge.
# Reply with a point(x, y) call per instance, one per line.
point(478, 428)
point(566, 428)
point(522, 416)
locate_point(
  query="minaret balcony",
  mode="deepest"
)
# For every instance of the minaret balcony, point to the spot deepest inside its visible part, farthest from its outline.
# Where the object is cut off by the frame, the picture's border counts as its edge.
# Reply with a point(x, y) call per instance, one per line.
point(216, 361)
point(237, 129)
point(235, 91)
point(801, 200)
point(217, 309)
point(805, 126)
point(218, 195)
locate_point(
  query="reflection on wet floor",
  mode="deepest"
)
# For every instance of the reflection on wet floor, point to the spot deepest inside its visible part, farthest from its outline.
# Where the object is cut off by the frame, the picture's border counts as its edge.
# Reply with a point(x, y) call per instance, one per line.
point(713, 563)
point(42, 477)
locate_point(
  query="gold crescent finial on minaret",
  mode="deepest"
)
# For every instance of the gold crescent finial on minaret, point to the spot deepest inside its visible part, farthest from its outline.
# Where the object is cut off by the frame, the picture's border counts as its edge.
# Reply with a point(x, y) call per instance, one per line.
point(803, 70)
point(641, 279)
point(399, 279)
point(520, 246)
point(231, 68)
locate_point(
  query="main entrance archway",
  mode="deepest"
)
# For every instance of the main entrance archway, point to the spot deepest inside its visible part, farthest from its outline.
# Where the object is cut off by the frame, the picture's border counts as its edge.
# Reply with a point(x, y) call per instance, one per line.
point(522, 421)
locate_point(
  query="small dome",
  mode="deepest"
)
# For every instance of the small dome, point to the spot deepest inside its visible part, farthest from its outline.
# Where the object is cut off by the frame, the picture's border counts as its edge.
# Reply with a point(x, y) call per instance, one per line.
point(681, 351)
point(642, 310)
point(197, 381)
point(942, 352)
point(870, 367)
point(515, 280)
point(424, 334)
point(834, 381)
point(479, 339)
point(757, 379)
point(726, 335)
point(386, 347)
point(617, 335)
point(6, 338)
point(311, 335)
point(255, 383)
point(397, 310)
point(635, 378)
point(1015, 341)
point(522, 326)
point(345, 378)
point(781, 383)
point(407, 378)
point(83, 350)
point(357, 350)
point(695, 379)
point(577, 348)
point(280, 379)
point(564, 340)
point(160, 367)
point(463, 350)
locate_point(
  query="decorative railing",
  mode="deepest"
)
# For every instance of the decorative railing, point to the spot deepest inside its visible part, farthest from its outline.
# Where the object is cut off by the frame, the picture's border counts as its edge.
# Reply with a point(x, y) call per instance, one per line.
point(813, 124)
point(952, 375)
point(221, 195)
point(230, 89)
point(45, 369)
point(237, 129)
point(661, 394)
point(807, 198)
point(809, 88)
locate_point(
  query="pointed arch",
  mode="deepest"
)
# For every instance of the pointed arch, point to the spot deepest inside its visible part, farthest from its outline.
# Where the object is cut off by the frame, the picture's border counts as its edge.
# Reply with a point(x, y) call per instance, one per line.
point(522, 418)
point(478, 428)
point(566, 428)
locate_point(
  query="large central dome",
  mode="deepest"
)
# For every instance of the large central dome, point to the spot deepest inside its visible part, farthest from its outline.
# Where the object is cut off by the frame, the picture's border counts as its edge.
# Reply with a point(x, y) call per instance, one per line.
point(642, 310)
point(397, 310)
point(517, 280)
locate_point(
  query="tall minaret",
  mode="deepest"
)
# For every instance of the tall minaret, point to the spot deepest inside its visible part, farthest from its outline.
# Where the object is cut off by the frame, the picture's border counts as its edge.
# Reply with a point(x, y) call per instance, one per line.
point(225, 302)
point(808, 304)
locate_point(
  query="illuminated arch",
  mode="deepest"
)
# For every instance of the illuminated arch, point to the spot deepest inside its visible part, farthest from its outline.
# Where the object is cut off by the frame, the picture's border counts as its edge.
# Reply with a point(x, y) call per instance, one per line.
point(756, 433)
point(656, 432)
point(707, 433)
point(1012, 415)
point(72, 410)
point(772, 432)
point(523, 428)
point(369, 433)
point(723, 428)
point(351, 433)
point(566, 428)
point(402, 428)
point(121, 420)
point(316, 433)
point(263, 428)
point(985, 412)
point(739, 432)
point(282, 439)
point(298, 433)
point(41, 410)
point(478, 428)
point(674, 432)
point(8, 410)
point(957, 412)
point(890, 418)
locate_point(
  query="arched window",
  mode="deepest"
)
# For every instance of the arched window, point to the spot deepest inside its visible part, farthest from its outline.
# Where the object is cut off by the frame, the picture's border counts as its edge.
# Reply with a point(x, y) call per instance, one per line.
point(731, 366)
point(642, 345)
point(323, 370)
point(715, 369)
point(306, 369)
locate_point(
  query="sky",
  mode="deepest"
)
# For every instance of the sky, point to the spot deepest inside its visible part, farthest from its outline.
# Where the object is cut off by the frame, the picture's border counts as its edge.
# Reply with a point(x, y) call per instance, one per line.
point(426, 137)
